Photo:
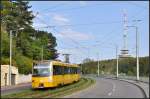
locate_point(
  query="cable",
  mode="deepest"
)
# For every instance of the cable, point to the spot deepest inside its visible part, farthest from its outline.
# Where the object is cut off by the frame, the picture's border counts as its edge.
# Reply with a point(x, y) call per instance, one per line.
point(75, 8)
point(54, 7)
point(69, 38)
point(75, 41)
point(61, 33)
point(131, 17)
point(85, 24)
point(133, 3)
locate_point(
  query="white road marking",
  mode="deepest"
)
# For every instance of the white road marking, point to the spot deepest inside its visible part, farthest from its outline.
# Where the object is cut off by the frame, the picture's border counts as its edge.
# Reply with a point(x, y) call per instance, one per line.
point(109, 94)
point(113, 89)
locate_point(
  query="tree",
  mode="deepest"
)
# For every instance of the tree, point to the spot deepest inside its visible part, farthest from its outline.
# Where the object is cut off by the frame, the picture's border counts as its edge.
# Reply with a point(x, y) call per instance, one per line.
point(27, 43)
point(127, 66)
point(87, 60)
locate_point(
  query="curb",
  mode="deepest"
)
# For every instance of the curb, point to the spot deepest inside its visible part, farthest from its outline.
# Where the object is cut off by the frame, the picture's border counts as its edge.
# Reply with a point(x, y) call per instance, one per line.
point(144, 93)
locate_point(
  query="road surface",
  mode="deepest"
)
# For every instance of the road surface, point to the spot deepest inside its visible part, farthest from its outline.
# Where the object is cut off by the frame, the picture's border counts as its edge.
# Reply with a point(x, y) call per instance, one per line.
point(109, 88)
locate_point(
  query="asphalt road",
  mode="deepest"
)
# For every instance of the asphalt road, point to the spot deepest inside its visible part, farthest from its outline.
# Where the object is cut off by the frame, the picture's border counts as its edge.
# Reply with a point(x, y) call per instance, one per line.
point(109, 88)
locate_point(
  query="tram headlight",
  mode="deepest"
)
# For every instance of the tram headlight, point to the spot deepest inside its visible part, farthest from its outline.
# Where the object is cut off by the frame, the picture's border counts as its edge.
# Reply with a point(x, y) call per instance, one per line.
point(50, 79)
point(41, 80)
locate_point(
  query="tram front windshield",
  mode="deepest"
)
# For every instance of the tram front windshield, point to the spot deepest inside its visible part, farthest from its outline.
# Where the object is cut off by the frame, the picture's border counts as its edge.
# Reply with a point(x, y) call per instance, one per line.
point(41, 71)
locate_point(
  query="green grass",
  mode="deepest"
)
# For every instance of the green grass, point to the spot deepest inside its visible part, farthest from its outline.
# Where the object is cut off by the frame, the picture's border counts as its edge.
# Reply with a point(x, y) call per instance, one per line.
point(55, 92)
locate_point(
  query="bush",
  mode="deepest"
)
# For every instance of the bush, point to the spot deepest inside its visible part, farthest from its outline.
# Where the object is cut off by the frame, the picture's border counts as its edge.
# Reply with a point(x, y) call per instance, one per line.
point(24, 64)
point(130, 73)
point(6, 61)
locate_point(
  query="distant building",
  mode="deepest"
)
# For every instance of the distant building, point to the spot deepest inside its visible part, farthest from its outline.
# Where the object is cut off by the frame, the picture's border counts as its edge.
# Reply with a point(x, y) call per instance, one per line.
point(124, 54)
point(5, 75)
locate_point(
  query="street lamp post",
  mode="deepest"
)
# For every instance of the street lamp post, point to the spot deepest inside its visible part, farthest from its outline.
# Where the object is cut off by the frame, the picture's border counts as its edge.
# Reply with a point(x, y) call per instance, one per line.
point(137, 52)
point(10, 57)
point(42, 54)
point(117, 60)
point(98, 65)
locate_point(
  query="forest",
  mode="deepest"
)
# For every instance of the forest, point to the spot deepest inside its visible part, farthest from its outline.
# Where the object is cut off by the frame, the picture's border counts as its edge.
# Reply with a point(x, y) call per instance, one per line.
point(125, 66)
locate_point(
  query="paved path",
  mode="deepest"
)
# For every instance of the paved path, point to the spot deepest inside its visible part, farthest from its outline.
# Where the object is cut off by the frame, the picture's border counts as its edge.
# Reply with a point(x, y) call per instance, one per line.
point(16, 88)
point(109, 88)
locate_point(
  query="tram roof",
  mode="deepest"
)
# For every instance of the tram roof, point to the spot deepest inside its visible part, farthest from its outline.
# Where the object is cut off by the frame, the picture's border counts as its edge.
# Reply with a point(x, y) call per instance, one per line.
point(64, 64)
point(55, 62)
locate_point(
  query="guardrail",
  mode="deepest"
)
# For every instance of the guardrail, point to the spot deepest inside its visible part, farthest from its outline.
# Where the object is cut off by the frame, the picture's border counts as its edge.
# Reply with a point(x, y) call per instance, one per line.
point(143, 79)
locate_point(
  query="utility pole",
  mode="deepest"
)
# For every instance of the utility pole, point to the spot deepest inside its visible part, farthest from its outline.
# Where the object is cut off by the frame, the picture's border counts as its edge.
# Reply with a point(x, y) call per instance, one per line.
point(42, 54)
point(137, 49)
point(81, 68)
point(137, 52)
point(10, 54)
point(98, 65)
point(10, 57)
point(117, 60)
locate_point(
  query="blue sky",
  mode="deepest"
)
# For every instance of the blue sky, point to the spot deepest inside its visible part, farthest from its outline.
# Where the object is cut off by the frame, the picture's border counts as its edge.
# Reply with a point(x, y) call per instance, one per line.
point(86, 28)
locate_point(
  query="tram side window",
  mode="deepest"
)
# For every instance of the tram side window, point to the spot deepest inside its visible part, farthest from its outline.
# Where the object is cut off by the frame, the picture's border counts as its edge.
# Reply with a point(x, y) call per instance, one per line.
point(73, 70)
point(78, 70)
point(57, 70)
point(66, 70)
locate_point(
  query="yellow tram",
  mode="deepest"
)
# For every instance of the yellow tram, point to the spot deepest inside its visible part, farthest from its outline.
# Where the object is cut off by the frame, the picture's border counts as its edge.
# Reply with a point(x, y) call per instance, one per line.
point(54, 73)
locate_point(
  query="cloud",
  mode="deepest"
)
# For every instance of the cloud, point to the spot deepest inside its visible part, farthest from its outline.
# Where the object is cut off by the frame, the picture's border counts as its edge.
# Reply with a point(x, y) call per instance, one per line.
point(78, 36)
point(60, 19)
point(68, 50)
point(67, 32)
point(37, 24)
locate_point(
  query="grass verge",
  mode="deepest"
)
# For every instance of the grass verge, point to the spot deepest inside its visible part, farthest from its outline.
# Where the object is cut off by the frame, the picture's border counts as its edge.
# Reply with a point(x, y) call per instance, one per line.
point(55, 92)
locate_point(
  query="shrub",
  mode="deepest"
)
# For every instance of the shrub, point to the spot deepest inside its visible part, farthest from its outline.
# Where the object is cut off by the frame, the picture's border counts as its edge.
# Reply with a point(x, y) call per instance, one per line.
point(24, 64)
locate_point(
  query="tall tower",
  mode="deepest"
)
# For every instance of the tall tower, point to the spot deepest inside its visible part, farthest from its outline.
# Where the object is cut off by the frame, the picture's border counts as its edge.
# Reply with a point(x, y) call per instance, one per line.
point(124, 51)
point(66, 58)
point(125, 30)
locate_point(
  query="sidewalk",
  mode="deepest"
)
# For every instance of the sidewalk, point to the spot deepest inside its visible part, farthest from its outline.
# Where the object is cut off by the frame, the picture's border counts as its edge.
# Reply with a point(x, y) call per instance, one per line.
point(3, 88)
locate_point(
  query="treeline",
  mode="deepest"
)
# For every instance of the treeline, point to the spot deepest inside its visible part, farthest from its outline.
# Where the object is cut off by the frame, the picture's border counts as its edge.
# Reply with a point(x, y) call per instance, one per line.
point(27, 43)
point(127, 66)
